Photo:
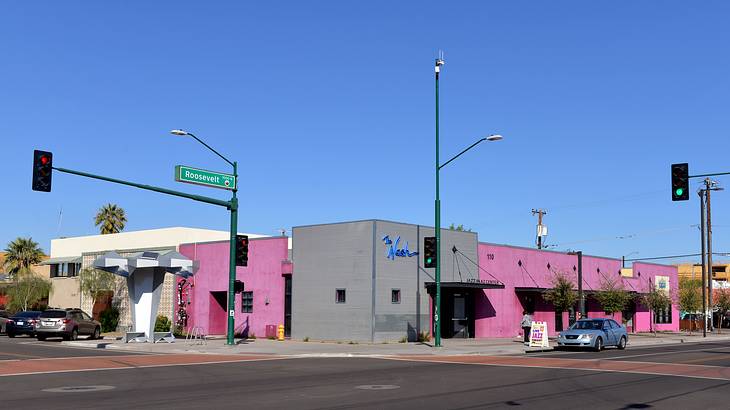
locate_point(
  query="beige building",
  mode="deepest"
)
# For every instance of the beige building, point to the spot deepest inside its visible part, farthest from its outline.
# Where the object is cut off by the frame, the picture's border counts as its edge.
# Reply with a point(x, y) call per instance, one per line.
point(720, 271)
point(70, 255)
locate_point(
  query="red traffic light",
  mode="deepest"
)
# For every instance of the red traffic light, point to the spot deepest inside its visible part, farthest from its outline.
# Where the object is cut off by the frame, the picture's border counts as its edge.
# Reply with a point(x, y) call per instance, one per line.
point(45, 159)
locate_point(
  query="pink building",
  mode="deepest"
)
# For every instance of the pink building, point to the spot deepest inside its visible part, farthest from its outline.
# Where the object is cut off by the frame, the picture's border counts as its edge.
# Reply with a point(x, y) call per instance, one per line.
point(263, 301)
point(527, 273)
point(473, 304)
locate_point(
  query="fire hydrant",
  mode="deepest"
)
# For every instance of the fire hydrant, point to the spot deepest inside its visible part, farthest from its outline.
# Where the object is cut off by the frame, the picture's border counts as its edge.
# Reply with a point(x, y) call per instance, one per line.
point(280, 332)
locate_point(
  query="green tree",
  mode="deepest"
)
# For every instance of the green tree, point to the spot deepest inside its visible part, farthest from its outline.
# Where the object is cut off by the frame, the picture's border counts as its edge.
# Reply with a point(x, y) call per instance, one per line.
point(22, 254)
point(27, 292)
point(612, 296)
point(95, 282)
point(689, 296)
point(110, 219)
point(655, 300)
point(459, 228)
point(562, 295)
point(721, 299)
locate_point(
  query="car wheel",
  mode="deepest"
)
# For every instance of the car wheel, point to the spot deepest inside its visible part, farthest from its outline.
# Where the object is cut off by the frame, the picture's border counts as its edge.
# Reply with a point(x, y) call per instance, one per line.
point(41, 337)
point(622, 343)
point(599, 345)
point(97, 333)
point(74, 334)
point(11, 334)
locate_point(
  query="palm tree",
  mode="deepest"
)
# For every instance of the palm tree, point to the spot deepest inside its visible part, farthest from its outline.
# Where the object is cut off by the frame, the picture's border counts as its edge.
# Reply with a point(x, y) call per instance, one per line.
point(110, 219)
point(22, 253)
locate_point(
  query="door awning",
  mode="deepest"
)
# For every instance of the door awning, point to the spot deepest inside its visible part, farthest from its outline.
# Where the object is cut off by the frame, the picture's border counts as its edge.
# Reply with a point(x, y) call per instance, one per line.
point(63, 259)
point(481, 284)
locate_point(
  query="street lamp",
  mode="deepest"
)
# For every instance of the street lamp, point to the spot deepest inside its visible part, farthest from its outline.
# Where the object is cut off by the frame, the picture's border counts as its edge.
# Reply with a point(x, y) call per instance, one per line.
point(437, 276)
point(234, 230)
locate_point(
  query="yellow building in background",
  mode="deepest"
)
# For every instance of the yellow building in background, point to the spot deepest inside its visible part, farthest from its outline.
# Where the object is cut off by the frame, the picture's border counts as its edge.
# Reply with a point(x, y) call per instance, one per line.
point(720, 271)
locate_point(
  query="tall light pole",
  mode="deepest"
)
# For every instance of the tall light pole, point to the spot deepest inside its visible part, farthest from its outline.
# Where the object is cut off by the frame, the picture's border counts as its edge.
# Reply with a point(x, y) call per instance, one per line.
point(234, 230)
point(437, 223)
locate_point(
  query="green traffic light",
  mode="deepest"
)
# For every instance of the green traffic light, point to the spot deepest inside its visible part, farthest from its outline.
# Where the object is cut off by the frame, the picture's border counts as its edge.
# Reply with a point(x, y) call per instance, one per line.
point(679, 191)
point(428, 260)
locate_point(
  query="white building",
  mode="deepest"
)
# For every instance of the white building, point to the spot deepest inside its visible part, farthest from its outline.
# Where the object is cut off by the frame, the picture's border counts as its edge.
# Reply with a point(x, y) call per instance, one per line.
point(70, 255)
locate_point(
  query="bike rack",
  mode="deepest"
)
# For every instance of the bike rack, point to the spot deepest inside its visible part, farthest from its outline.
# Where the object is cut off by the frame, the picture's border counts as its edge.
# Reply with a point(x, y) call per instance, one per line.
point(195, 336)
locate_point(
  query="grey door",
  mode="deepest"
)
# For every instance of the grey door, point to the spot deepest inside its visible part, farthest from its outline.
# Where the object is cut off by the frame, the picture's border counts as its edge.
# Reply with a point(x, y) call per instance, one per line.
point(459, 319)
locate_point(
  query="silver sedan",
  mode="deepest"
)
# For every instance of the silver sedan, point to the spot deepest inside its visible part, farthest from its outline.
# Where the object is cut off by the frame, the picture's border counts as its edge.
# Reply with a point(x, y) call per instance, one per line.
point(595, 334)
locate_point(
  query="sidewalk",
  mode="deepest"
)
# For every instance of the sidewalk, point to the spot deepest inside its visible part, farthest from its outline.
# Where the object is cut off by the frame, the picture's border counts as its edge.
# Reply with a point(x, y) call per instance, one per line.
point(344, 349)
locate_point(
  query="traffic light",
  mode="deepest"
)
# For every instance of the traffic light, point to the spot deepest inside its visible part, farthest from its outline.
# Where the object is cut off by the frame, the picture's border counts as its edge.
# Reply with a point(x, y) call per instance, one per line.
point(429, 252)
point(42, 170)
point(241, 250)
point(680, 182)
point(238, 286)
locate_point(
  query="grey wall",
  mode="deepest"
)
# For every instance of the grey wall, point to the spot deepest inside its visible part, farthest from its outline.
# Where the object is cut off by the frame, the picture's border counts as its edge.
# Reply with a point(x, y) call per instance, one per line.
point(412, 315)
point(327, 257)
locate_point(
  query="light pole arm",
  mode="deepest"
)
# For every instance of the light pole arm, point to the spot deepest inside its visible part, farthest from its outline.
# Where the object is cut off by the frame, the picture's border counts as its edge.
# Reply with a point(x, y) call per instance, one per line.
point(211, 148)
point(462, 152)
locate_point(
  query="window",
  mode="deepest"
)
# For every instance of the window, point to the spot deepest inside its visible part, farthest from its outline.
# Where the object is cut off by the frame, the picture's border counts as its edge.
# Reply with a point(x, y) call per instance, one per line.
point(395, 296)
point(65, 270)
point(247, 302)
point(339, 295)
point(663, 316)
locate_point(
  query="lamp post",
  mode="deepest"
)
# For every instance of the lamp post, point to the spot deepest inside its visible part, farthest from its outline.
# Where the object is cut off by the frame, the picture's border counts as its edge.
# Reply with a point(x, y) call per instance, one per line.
point(437, 206)
point(234, 230)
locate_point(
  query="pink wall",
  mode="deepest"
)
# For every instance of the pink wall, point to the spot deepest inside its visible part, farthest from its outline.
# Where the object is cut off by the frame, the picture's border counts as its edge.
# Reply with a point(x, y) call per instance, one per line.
point(499, 311)
point(264, 275)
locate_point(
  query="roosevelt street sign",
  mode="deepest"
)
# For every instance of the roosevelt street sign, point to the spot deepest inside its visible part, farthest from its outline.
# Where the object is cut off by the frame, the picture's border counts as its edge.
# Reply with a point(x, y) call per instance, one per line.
point(206, 178)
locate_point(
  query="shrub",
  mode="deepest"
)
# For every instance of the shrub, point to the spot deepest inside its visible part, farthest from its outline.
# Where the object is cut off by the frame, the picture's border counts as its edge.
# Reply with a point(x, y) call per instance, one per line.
point(306, 339)
point(403, 339)
point(162, 324)
point(109, 319)
point(424, 337)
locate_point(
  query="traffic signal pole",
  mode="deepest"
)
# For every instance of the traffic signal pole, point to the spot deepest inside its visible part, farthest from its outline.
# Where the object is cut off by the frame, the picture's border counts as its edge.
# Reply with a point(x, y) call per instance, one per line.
point(437, 223)
point(232, 262)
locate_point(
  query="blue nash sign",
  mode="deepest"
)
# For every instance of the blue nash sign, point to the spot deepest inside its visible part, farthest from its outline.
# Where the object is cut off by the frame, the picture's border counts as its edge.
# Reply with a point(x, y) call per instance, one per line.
point(394, 251)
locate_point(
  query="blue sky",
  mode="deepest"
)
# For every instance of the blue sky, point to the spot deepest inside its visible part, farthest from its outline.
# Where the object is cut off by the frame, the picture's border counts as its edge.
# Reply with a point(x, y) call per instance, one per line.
point(329, 107)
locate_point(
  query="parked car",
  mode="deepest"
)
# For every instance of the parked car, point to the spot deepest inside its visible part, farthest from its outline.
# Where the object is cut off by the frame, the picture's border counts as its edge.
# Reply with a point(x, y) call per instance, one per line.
point(66, 323)
point(595, 334)
point(22, 323)
point(4, 318)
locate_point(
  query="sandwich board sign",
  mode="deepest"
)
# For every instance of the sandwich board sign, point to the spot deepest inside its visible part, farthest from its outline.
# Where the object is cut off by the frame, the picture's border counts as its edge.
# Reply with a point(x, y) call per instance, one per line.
point(538, 335)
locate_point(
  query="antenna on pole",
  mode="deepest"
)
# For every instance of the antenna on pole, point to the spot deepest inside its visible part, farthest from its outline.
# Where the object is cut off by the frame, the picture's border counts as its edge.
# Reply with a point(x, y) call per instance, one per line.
point(60, 219)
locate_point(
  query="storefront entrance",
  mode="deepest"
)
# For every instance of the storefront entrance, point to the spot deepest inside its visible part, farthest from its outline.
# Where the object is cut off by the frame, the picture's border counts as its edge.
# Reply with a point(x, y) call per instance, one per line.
point(458, 306)
point(217, 318)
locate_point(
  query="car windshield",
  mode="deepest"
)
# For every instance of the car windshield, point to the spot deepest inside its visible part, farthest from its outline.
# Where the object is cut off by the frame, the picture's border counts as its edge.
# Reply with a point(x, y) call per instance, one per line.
point(54, 314)
point(29, 313)
point(588, 324)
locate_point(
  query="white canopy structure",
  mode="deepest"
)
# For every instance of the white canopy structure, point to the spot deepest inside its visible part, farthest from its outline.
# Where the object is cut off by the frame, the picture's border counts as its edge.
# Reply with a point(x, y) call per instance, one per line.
point(145, 274)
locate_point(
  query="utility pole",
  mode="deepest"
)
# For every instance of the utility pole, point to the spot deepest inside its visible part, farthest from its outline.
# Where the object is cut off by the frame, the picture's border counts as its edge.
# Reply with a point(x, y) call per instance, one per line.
point(701, 193)
point(581, 297)
point(540, 213)
point(710, 186)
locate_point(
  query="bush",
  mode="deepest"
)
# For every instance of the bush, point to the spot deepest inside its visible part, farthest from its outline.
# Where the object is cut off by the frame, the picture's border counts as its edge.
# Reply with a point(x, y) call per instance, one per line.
point(162, 324)
point(424, 337)
point(109, 319)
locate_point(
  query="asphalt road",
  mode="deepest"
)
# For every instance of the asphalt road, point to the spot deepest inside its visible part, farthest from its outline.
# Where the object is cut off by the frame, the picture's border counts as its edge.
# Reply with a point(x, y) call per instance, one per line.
point(23, 348)
point(335, 383)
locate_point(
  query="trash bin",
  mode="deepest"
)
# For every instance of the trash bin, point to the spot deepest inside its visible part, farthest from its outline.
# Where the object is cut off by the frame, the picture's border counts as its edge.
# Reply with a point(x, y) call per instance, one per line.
point(270, 331)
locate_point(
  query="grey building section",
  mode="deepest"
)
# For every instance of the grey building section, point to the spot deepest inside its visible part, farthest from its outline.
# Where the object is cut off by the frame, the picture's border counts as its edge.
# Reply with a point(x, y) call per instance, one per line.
point(355, 256)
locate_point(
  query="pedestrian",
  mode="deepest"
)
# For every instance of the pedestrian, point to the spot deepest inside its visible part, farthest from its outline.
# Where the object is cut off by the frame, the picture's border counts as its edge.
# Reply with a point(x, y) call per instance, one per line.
point(526, 324)
point(578, 316)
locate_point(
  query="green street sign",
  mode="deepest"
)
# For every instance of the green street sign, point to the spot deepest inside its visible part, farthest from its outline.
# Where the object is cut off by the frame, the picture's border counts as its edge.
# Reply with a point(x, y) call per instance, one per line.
point(197, 176)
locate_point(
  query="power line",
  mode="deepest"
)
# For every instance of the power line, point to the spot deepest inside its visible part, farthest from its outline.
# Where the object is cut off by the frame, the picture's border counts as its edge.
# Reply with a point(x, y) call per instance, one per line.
point(677, 256)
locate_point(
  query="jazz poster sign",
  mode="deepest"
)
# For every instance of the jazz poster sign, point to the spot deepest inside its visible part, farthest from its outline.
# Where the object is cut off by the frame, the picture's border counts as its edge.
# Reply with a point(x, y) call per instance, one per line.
point(662, 283)
point(539, 335)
